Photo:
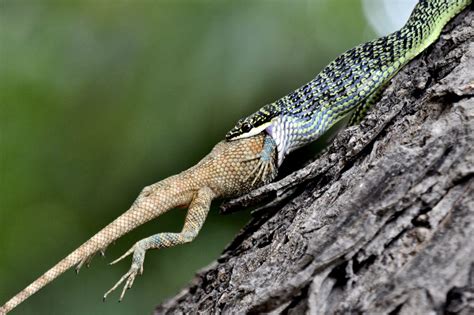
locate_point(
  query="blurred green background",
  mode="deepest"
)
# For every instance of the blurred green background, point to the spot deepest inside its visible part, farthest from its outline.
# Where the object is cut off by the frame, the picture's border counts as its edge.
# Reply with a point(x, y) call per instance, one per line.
point(100, 98)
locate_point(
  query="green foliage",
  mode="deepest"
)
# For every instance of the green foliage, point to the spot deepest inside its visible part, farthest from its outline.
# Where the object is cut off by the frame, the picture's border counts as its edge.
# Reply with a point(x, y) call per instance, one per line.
point(100, 98)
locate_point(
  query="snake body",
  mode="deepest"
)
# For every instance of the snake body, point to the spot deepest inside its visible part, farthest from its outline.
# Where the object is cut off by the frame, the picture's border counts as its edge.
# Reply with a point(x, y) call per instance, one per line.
point(349, 84)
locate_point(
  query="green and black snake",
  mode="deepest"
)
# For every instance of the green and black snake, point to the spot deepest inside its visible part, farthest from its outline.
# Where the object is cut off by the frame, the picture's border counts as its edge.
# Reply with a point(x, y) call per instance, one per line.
point(348, 85)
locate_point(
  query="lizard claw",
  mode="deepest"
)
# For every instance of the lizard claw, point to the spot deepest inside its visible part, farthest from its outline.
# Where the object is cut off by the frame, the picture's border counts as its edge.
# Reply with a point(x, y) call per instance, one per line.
point(264, 171)
point(136, 268)
point(87, 260)
point(129, 278)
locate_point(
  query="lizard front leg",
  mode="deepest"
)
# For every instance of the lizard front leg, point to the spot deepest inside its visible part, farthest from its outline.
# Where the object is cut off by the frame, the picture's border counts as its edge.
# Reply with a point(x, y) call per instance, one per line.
point(265, 165)
point(197, 213)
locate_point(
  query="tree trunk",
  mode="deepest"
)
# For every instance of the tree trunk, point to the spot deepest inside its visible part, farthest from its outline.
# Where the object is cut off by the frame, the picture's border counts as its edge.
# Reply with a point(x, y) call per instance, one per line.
point(381, 222)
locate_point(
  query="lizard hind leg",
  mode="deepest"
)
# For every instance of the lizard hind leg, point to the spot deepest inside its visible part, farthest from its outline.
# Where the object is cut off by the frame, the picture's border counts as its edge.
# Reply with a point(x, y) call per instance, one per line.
point(197, 213)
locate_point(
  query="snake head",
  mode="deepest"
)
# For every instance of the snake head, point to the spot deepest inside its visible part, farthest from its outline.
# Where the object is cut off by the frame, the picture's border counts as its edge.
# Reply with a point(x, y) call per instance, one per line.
point(253, 124)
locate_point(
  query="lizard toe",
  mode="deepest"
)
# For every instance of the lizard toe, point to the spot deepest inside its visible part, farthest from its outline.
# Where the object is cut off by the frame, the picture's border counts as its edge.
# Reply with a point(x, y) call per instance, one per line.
point(137, 268)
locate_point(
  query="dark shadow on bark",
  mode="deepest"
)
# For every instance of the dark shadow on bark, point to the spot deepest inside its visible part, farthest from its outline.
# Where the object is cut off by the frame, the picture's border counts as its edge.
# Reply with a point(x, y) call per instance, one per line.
point(382, 222)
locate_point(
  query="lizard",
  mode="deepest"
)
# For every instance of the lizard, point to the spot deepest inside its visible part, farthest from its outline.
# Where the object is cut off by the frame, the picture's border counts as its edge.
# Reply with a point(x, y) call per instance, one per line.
point(227, 171)
point(254, 149)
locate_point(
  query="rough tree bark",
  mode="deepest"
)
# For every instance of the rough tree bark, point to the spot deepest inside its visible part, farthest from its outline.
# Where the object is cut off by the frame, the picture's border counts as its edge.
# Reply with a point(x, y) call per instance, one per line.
point(381, 222)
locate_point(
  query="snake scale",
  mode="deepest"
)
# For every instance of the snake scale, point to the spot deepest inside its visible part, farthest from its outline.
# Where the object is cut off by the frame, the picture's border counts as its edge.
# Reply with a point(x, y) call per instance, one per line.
point(348, 85)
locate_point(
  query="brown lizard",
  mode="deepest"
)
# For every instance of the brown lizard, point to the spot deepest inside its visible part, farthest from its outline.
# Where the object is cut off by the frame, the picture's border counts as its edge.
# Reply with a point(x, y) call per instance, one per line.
point(230, 169)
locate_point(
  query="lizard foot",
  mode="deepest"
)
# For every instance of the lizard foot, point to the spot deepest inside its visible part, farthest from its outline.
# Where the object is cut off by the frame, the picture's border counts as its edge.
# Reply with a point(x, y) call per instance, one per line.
point(137, 268)
point(265, 165)
point(87, 261)
point(261, 172)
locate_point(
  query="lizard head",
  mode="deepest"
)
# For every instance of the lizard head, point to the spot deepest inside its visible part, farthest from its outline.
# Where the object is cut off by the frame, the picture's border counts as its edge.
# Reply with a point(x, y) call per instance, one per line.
point(253, 124)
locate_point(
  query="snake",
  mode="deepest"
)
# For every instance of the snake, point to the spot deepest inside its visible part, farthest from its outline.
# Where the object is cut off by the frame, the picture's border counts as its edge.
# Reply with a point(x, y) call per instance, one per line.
point(348, 86)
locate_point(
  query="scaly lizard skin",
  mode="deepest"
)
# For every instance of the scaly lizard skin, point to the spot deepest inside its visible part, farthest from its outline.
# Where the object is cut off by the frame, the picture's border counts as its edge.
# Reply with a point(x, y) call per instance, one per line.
point(228, 170)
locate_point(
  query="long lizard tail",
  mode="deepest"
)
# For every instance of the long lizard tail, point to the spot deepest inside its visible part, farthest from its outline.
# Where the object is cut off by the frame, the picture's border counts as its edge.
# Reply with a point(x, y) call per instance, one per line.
point(152, 202)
